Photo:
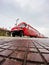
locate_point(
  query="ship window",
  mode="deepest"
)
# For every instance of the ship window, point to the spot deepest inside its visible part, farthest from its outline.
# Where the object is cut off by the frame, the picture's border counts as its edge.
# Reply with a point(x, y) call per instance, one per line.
point(23, 25)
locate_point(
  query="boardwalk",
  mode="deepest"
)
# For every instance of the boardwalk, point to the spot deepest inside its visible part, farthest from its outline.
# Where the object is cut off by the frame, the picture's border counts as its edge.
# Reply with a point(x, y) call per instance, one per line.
point(24, 51)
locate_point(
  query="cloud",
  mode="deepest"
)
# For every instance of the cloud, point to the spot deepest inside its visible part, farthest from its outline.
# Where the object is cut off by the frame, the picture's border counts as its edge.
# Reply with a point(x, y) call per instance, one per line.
point(44, 31)
point(34, 12)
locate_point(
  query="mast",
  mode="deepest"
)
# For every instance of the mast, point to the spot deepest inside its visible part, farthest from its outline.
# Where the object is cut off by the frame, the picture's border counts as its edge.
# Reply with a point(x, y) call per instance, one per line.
point(16, 21)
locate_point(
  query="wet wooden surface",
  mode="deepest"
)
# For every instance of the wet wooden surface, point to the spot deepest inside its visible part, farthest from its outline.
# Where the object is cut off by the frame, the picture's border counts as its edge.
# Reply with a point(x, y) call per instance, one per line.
point(24, 51)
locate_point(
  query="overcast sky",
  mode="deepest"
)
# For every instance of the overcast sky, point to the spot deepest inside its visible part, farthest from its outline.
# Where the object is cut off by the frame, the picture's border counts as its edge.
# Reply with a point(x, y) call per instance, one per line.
point(33, 12)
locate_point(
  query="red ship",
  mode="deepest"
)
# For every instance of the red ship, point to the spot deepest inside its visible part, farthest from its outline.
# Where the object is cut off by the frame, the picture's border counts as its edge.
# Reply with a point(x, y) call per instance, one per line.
point(24, 29)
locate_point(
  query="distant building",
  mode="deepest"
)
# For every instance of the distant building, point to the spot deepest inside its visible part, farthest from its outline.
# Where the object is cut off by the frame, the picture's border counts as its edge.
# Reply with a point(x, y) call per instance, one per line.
point(4, 32)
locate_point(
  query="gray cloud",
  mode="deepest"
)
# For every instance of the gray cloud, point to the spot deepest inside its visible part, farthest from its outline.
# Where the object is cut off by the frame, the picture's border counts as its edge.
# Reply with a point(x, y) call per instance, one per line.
point(34, 12)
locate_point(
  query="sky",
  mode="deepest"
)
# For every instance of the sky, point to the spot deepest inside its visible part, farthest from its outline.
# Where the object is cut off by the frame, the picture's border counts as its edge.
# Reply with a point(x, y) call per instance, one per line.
point(33, 12)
